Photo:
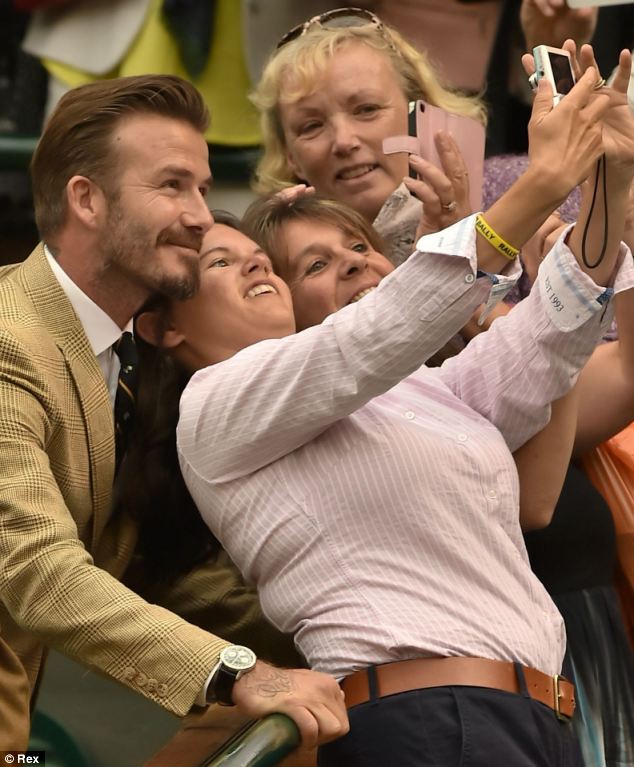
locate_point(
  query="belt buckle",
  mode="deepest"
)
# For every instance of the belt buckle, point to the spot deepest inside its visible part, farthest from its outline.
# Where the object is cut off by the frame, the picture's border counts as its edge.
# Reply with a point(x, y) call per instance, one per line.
point(557, 696)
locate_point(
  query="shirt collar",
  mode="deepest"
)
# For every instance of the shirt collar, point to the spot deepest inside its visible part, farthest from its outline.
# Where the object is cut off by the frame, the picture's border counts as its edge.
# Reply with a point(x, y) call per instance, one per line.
point(101, 330)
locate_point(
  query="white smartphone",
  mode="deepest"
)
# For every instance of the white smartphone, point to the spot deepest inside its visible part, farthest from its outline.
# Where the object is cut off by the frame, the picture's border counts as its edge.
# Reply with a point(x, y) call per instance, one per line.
point(555, 65)
point(594, 3)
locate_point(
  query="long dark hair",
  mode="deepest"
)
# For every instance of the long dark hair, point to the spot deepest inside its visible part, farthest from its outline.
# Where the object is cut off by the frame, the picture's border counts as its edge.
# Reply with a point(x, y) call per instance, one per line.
point(173, 537)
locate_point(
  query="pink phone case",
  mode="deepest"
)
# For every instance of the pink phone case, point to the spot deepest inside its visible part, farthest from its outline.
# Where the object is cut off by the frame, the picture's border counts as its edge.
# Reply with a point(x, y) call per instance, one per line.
point(468, 133)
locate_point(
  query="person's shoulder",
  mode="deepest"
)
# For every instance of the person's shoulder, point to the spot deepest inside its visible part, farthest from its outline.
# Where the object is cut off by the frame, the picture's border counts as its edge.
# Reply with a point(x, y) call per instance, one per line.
point(15, 303)
point(29, 296)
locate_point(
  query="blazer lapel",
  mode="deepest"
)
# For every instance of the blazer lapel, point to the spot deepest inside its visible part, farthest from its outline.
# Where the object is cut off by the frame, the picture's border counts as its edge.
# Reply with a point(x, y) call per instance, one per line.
point(57, 314)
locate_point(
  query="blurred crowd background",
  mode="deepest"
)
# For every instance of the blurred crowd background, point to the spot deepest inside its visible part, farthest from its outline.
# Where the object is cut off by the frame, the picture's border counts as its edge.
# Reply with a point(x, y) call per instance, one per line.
point(48, 46)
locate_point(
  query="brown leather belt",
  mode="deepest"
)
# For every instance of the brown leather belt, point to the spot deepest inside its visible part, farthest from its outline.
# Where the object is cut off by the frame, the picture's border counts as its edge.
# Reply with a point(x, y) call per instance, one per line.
point(556, 692)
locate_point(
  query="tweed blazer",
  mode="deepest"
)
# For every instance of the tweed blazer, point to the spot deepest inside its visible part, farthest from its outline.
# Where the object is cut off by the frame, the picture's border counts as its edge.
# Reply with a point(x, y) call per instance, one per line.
point(62, 550)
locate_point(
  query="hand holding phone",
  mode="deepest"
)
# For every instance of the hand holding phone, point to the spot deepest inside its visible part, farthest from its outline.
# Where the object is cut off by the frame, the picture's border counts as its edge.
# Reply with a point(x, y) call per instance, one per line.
point(426, 120)
point(554, 65)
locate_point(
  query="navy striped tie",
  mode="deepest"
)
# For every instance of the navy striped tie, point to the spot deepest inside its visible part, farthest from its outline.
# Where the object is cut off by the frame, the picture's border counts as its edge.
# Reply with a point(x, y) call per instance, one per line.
point(124, 404)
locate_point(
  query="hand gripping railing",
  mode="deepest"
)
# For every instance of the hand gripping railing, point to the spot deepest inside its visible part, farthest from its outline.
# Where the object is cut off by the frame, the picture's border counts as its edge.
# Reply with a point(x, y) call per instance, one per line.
point(262, 744)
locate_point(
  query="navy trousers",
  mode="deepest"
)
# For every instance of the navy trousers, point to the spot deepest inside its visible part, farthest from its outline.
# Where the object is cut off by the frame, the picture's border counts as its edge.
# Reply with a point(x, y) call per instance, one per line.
point(454, 727)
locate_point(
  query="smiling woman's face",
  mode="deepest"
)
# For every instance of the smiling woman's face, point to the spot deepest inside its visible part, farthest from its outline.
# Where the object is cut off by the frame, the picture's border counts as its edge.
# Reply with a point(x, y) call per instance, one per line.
point(327, 268)
point(240, 301)
point(334, 135)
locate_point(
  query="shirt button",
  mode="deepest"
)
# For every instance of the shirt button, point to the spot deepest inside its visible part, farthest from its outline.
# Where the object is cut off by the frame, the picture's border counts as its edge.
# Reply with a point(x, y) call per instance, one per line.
point(129, 673)
point(492, 494)
point(410, 415)
point(462, 438)
point(141, 679)
point(469, 279)
point(161, 690)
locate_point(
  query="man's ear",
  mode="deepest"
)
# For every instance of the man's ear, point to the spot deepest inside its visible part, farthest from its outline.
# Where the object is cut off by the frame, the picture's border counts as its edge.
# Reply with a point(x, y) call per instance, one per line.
point(86, 200)
point(150, 327)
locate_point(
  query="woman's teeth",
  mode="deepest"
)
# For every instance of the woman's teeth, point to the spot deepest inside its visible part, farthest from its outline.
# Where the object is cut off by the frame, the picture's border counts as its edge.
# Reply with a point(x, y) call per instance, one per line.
point(360, 295)
point(259, 289)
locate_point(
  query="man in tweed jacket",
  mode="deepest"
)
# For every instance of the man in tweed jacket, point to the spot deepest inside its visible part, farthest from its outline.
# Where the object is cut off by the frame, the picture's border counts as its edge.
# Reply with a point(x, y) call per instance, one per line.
point(119, 178)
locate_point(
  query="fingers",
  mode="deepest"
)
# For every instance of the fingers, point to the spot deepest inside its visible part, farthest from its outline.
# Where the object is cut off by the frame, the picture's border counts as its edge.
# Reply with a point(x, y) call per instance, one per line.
point(313, 700)
point(444, 187)
point(292, 193)
point(307, 725)
point(435, 179)
point(584, 92)
point(453, 165)
point(543, 101)
point(318, 724)
point(547, 7)
point(321, 717)
point(621, 80)
point(528, 62)
point(587, 59)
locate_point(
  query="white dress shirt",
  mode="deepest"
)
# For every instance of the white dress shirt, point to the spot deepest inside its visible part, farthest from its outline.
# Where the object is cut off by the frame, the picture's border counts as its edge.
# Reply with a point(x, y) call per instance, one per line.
point(101, 330)
point(375, 502)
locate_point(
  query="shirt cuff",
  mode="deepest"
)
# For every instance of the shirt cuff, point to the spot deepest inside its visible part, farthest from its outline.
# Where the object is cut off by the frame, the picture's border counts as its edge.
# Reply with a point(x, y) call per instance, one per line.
point(202, 700)
point(571, 296)
point(459, 241)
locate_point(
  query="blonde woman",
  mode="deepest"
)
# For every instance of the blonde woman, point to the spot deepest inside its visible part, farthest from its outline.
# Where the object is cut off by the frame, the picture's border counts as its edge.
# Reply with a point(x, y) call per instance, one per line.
point(333, 90)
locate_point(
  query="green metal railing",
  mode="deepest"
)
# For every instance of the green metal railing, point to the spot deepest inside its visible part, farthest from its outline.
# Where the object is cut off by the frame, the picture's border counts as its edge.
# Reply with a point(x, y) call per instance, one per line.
point(16, 151)
point(261, 744)
point(233, 164)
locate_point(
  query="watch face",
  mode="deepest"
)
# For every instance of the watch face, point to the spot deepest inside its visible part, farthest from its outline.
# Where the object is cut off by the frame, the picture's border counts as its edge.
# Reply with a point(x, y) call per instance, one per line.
point(238, 658)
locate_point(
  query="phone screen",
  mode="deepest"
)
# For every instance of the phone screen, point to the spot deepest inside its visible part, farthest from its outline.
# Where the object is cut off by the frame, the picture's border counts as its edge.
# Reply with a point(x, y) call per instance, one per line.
point(561, 72)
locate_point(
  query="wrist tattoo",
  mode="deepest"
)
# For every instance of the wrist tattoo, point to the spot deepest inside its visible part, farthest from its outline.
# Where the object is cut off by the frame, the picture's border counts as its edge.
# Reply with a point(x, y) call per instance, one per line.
point(269, 682)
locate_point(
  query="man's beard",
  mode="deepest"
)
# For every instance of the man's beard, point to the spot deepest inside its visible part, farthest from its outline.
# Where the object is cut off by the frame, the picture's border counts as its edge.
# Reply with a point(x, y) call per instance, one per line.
point(130, 246)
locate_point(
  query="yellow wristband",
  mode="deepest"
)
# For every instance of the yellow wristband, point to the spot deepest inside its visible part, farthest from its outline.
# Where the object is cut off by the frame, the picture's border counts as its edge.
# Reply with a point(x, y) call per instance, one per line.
point(494, 239)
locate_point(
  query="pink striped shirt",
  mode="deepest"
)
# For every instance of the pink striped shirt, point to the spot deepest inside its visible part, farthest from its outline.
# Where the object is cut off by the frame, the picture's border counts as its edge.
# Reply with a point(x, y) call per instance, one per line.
point(374, 502)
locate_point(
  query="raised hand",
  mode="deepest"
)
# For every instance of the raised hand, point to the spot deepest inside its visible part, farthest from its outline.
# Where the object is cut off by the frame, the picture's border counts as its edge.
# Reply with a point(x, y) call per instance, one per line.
point(550, 22)
point(566, 141)
point(314, 701)
point(444, 193)
point(618, 121)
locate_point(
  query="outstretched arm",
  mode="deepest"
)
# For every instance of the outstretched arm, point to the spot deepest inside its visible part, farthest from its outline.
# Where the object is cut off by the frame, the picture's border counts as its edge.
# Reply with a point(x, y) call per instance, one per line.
point(606, 385)
point(542, 463)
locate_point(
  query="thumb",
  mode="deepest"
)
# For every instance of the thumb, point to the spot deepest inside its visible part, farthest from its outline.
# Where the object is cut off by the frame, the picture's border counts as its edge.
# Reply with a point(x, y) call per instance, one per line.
point(543, 102)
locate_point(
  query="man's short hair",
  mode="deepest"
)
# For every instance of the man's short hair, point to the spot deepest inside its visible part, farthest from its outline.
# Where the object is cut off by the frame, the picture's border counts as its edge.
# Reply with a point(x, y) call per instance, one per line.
point(77, 137)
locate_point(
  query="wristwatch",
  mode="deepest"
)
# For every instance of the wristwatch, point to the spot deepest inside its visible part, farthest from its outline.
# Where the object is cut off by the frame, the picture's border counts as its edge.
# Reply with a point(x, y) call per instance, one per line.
point(234, 661)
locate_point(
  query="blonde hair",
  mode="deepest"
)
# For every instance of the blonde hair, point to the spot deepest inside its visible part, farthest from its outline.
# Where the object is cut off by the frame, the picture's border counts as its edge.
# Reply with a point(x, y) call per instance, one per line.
point(292, 71)
point(264, 219)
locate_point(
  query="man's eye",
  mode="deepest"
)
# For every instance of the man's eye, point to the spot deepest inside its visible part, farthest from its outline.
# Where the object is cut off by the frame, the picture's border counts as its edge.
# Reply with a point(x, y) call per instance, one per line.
point(316, 266)
point(172, 183)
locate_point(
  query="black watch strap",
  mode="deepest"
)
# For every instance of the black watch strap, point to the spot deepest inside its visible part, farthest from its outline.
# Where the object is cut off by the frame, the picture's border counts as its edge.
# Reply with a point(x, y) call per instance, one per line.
point(222, 684)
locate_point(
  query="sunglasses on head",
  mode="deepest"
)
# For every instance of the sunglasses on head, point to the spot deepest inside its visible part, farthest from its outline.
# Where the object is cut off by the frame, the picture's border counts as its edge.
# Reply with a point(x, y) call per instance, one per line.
point(337, 18)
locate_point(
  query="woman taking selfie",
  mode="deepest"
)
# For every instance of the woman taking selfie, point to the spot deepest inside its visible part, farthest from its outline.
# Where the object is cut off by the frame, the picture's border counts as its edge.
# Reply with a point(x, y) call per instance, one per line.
point(374, 502)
